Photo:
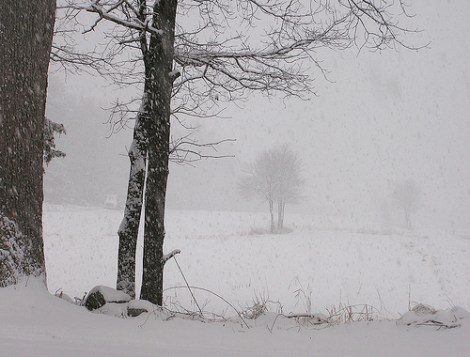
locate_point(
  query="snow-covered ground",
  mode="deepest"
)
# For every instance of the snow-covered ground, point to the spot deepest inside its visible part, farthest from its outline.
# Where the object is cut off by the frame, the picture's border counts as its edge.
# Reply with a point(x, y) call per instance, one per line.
point(35, 324)
point(312, 268)
point(221, 252)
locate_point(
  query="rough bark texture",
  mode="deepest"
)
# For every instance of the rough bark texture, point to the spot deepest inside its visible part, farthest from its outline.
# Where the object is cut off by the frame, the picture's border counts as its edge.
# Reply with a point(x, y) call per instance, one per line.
point(159, 81)
point(129, 228)
point(26, 29)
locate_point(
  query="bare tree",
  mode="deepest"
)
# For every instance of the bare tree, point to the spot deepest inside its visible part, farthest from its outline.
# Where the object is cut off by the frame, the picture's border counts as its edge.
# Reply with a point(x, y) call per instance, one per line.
point(406, 197)
point(26, 29)
point(218, 51)
point(289, 181)
point(274, 177)
point(259, 181)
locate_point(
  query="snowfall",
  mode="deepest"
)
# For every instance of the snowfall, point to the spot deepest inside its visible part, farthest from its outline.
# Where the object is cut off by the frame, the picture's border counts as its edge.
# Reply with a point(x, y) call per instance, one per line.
point(356, 288)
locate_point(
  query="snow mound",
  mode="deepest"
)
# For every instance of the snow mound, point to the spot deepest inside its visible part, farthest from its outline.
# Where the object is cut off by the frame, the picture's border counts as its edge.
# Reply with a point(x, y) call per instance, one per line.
point(110, 294)
point(144, 304)
point(101, 295)
point(134, 308)
point(66, 297)
point(34, 323)
point(424, 315)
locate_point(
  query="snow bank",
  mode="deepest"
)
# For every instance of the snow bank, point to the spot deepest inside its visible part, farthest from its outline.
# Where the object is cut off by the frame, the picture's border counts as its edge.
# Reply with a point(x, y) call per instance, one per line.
point(110, 294)
point(423, 315)
point(35, 323)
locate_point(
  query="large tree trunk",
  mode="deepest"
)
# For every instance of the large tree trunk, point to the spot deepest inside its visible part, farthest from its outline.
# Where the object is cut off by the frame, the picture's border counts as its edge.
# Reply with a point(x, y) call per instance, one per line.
point(26, 29)
point(129, 228)
point(159, 63)
point(154, 235)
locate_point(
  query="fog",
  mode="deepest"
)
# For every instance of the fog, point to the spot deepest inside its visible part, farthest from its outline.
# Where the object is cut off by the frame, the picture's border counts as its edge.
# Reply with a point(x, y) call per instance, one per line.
point(378, 119)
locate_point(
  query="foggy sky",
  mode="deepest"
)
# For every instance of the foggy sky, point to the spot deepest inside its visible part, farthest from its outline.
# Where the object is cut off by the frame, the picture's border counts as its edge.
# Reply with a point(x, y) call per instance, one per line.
point(380, 118)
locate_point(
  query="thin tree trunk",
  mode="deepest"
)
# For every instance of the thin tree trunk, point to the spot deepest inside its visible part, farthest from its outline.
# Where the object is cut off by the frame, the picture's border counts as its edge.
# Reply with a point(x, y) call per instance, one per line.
point(26, 29)
point(282, 214)
point(271, 212)
point(159, 63)
point(129, 228)
point(407, 219)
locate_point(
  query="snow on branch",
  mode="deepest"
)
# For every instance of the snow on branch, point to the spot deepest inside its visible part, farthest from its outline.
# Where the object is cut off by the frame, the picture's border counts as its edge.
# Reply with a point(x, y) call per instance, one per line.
point(186, 150)
point(170, 255)
point(50, 129)
point(129, 21)
point(69, 59)
point(235, 48)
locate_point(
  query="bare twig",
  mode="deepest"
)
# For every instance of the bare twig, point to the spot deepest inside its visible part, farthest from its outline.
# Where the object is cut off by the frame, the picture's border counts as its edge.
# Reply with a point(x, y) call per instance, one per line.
point(170, 255)
point(189, 288)
point(217, 295)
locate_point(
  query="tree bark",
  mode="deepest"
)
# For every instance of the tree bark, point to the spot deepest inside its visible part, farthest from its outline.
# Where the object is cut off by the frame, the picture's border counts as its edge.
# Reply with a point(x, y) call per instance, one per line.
point(26, 30)
point(129, 228)
point(159, 63)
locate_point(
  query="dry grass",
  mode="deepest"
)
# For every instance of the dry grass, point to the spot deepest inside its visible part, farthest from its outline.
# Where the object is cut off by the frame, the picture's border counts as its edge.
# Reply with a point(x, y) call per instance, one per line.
point(258, 308)
point(344, 314)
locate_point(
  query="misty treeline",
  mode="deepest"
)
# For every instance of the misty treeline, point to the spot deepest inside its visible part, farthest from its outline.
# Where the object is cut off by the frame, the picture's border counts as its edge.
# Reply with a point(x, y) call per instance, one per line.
point(274, 177)
point(185, 59)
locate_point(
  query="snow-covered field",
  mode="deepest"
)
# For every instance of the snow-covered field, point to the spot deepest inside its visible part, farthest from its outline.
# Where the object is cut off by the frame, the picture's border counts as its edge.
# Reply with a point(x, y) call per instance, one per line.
point(312, 268)
point(221, 252)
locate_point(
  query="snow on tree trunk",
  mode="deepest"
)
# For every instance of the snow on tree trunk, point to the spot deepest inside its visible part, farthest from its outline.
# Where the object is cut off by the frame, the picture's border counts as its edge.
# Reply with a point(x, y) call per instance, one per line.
point(159, 66)
point(129, 228)
point(26, 29)
point(154, 234)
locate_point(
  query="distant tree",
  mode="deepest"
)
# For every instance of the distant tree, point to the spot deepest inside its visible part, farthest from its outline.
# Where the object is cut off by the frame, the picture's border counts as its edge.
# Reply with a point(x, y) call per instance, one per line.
point(274, 177)
point(406, 196)
point(289, 181)
point(26, 29)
